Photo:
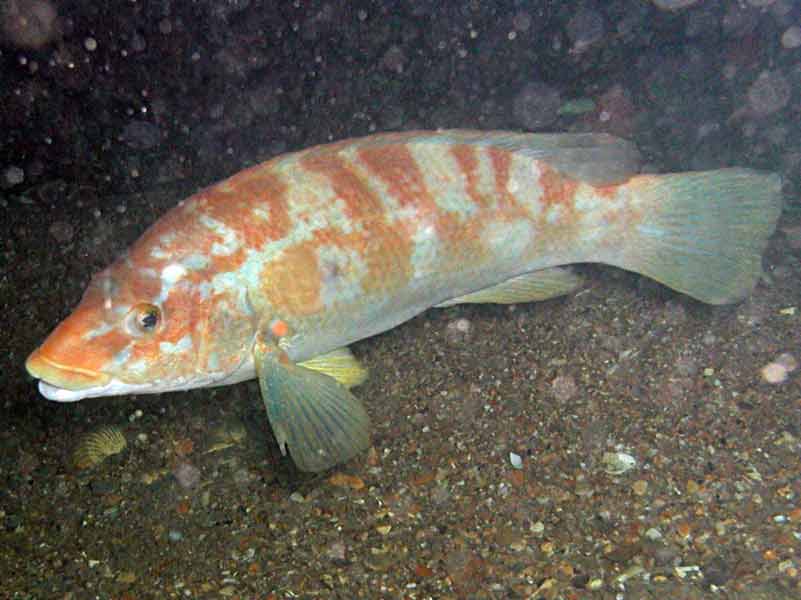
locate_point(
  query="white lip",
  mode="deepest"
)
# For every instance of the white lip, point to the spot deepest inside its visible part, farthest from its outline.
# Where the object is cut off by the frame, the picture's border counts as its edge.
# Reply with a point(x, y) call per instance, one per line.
point(119, 388)
point(112, 388)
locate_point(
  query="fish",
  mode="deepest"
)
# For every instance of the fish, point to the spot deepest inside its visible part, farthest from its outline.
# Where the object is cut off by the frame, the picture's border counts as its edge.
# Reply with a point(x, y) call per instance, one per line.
point(274, 272)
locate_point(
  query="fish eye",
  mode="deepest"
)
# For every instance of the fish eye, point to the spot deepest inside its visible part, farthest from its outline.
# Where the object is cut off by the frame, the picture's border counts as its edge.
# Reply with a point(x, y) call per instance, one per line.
point(143, 319)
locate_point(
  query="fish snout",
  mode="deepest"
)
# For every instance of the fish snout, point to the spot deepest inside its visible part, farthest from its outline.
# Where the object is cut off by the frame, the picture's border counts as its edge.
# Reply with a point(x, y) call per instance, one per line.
point(61, 375)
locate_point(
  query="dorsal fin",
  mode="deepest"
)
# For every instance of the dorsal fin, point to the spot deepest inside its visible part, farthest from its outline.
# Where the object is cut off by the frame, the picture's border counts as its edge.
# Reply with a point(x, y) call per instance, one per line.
point(595, 158)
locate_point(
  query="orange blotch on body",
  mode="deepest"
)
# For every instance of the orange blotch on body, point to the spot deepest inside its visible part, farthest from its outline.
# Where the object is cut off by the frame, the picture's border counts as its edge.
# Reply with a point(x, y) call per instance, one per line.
point(279, 328)
point(291, 281)
point(361, 203)
point(557, 190)
point(467, 160)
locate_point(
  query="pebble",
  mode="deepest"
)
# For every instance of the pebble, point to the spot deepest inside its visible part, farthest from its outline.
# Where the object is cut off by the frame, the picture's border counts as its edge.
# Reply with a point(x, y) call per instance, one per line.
point(774, 373)
point(440, 495)
point(521, 22)
point(791, 38)
point(188, 475)
point(686, 366)
point(640, 487)
point(769, 93)
point(12, 176)
point(336, 551)
point(395, 59)
point(564, 387)
point(617, 463)
point(174, 535)
point(458, 329)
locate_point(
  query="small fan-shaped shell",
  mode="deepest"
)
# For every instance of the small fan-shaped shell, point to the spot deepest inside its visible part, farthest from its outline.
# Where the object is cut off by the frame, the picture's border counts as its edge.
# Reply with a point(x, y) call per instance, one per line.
point(97, 446)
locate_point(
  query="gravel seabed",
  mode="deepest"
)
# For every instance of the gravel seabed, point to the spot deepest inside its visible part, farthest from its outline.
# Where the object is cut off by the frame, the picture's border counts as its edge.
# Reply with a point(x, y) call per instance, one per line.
point(621, 442)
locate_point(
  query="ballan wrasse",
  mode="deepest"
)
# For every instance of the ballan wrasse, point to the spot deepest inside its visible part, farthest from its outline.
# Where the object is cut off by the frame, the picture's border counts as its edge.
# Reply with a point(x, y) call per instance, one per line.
point(273, 272)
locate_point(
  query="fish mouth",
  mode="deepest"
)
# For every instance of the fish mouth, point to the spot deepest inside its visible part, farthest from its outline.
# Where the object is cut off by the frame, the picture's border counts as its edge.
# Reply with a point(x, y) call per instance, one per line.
point(62, 382)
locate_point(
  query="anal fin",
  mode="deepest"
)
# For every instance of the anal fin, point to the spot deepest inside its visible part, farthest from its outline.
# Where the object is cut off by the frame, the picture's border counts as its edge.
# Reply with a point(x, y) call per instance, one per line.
point(339, 364)
point(529, 287)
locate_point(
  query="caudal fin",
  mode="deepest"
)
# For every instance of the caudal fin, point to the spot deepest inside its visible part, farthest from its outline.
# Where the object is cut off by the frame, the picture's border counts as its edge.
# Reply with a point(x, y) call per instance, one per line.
point(703, 233)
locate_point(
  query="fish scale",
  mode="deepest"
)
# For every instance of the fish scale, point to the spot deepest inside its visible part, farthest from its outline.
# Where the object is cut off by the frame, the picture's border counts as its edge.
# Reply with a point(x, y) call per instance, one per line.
point(273, 272)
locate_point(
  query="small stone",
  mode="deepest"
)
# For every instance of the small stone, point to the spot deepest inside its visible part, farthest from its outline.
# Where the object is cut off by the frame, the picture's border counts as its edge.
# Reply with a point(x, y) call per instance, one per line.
point(774, 373)
point(297, 497)
point(791, 38)
point(564, 387)
point(90, 44)
point(640, 487)
point(440, 494)
point(769, 93)
point(516, 461)
point(786, 565)
point(174, 535)
point(188, 475)
point(336, 551)
point(617, 463)
point(458, 330)
point(12, 176)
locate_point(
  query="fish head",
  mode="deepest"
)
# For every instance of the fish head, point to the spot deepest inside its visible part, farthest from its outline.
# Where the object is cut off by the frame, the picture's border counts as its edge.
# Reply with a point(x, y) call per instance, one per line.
point(147, 330)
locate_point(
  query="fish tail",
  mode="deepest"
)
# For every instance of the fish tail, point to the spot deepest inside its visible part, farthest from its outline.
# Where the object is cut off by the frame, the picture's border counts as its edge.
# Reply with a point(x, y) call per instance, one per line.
point(703, 233)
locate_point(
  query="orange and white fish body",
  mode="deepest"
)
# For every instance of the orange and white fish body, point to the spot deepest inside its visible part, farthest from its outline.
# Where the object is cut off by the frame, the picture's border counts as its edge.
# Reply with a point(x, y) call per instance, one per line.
point(273, 272)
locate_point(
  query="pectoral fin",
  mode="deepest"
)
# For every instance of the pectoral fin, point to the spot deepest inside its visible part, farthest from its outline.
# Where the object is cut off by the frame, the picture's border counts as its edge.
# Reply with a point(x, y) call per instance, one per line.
point(529, 287)
point(311, 414)
point(339, 364)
